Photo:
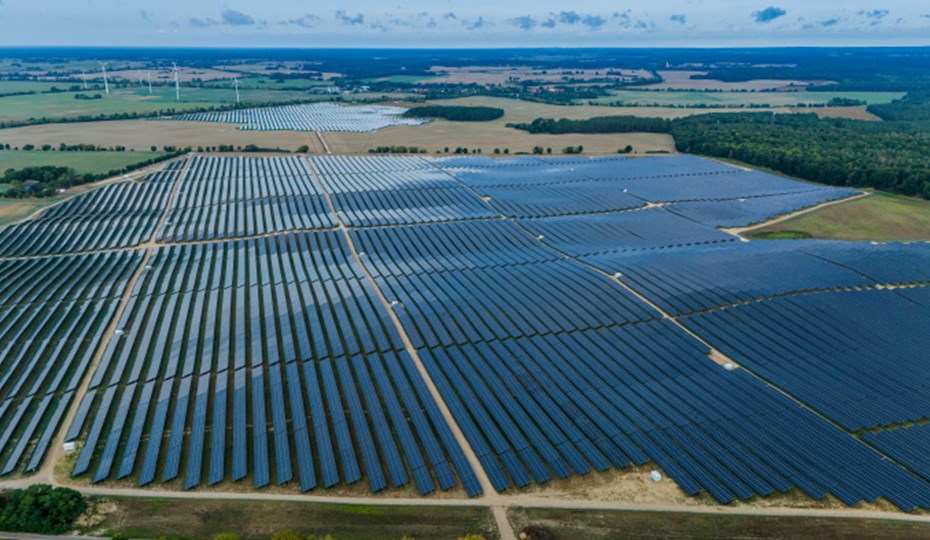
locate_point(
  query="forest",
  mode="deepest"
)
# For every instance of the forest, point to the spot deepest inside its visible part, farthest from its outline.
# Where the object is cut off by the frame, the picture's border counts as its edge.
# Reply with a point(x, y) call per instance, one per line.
point(891, 156)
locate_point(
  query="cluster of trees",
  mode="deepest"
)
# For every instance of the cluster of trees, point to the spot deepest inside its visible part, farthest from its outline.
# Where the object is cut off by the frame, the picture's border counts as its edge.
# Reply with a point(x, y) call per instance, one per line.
point(397, 150)
point(40, 509)
point(88, 97)
point(890, 156)
point(573, 149)
point(62, 147)
point(456, 113)
point(599, 124)
point(887, 156)
point(915, 107)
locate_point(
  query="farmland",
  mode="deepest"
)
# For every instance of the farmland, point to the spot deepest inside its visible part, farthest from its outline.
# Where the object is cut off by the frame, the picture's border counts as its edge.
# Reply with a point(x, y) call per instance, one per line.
point(81, 162)
point(136, 100)
point(339, 324)
point(643, 98)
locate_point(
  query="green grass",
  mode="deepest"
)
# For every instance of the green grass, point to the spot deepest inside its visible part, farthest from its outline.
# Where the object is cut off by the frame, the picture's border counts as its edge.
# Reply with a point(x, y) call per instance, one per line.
point(10, 87)
point(133, 100)
point(734, 99)
point(82, 162)
point(202, 518)
point(880, 217)
point(604, 525)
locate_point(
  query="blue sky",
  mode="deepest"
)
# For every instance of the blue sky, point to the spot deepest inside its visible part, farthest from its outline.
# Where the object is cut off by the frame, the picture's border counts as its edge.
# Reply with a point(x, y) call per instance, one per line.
point(475, 23)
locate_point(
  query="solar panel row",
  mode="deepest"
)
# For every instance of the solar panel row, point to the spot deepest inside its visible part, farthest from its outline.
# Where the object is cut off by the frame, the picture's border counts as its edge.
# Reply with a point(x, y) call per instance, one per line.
point(54, 314)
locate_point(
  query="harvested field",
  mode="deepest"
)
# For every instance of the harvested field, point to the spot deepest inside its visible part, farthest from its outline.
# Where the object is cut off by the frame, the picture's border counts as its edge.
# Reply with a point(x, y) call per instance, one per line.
point(141, 135)
point(681, 80)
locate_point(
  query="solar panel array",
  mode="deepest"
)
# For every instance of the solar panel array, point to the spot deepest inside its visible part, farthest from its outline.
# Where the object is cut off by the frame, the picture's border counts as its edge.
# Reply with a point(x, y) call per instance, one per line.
point(546, 300)
point(308, 117)
point(115, 216)
point(53, 313)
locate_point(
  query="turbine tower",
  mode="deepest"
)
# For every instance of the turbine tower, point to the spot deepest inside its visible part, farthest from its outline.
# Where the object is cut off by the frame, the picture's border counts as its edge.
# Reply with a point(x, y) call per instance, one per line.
point(106, 84)
point(149, 75)
point(236, 82)
point(177, 82)
point(84, 78)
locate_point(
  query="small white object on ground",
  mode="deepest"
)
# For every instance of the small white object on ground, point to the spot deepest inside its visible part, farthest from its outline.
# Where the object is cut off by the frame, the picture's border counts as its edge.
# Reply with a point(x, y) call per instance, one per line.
point(655, 476)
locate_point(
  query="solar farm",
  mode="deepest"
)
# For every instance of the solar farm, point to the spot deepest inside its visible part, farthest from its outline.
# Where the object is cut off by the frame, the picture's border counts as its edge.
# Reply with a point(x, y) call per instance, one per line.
point(456, 325)
point(325, 117)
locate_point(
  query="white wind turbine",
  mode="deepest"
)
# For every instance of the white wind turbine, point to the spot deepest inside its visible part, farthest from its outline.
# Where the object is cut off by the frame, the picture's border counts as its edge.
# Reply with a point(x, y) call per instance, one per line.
point(149, 75)
point(177, 82)
point(106, 83)
point(236, 82)
point(84, 78)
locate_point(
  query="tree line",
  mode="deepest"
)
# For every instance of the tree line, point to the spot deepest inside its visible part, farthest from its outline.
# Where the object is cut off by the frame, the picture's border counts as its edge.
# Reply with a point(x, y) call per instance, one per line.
point(455, 113)
point(46, 180)
point(890, 156)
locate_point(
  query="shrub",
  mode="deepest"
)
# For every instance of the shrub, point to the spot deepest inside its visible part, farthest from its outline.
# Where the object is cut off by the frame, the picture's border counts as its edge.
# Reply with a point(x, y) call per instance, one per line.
point(40, 509)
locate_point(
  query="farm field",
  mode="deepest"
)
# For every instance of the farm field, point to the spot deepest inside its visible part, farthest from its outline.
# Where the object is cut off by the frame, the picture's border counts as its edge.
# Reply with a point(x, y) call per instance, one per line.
point(135, 100)
point(11, 87)
point(444, 327)
point(669, 98)
point(880, 217)
point(681, 80)
point(205, 518)
point(141, 135)
point(611, 525)
point(81, 162)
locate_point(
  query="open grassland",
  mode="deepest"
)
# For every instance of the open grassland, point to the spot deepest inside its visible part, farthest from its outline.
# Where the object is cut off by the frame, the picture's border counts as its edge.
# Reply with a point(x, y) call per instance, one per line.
point(16, 209)
point(880, 218)
point(597, 524)
point(737, 99)
point(180, 518)
point(142, 134)
point(12, 87)
point(81, 162)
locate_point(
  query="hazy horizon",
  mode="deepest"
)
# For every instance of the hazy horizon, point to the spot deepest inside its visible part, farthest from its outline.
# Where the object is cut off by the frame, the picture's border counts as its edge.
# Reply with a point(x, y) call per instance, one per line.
point(480, 24)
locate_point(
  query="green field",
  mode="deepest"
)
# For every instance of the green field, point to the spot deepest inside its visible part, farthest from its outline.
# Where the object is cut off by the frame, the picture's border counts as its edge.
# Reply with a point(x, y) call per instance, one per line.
point(82, 162)
point(12, 87)
point(610, 525)
point(134, 100)
point(267, 83)
point(880, 218)
point(202, 518)
point(657, 98)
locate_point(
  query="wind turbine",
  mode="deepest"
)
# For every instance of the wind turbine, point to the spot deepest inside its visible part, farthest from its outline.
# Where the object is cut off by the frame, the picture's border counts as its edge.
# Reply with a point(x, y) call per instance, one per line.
point(106, 84)
point(141, 82)
point(149, 75)
point(177, 82)
point(84, 78)
point(236, 82)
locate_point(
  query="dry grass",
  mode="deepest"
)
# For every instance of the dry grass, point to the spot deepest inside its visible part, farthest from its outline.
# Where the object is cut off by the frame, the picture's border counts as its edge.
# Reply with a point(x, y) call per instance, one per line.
point(141, 134)
point(487, 136)
point(853, 113)
point(154, 518)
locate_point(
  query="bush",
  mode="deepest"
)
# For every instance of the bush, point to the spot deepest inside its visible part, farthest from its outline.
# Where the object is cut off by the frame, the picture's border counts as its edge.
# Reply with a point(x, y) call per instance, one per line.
point(40, 509)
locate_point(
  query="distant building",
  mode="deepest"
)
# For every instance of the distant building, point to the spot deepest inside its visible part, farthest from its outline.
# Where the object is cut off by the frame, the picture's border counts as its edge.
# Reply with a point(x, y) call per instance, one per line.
point(325, 90)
